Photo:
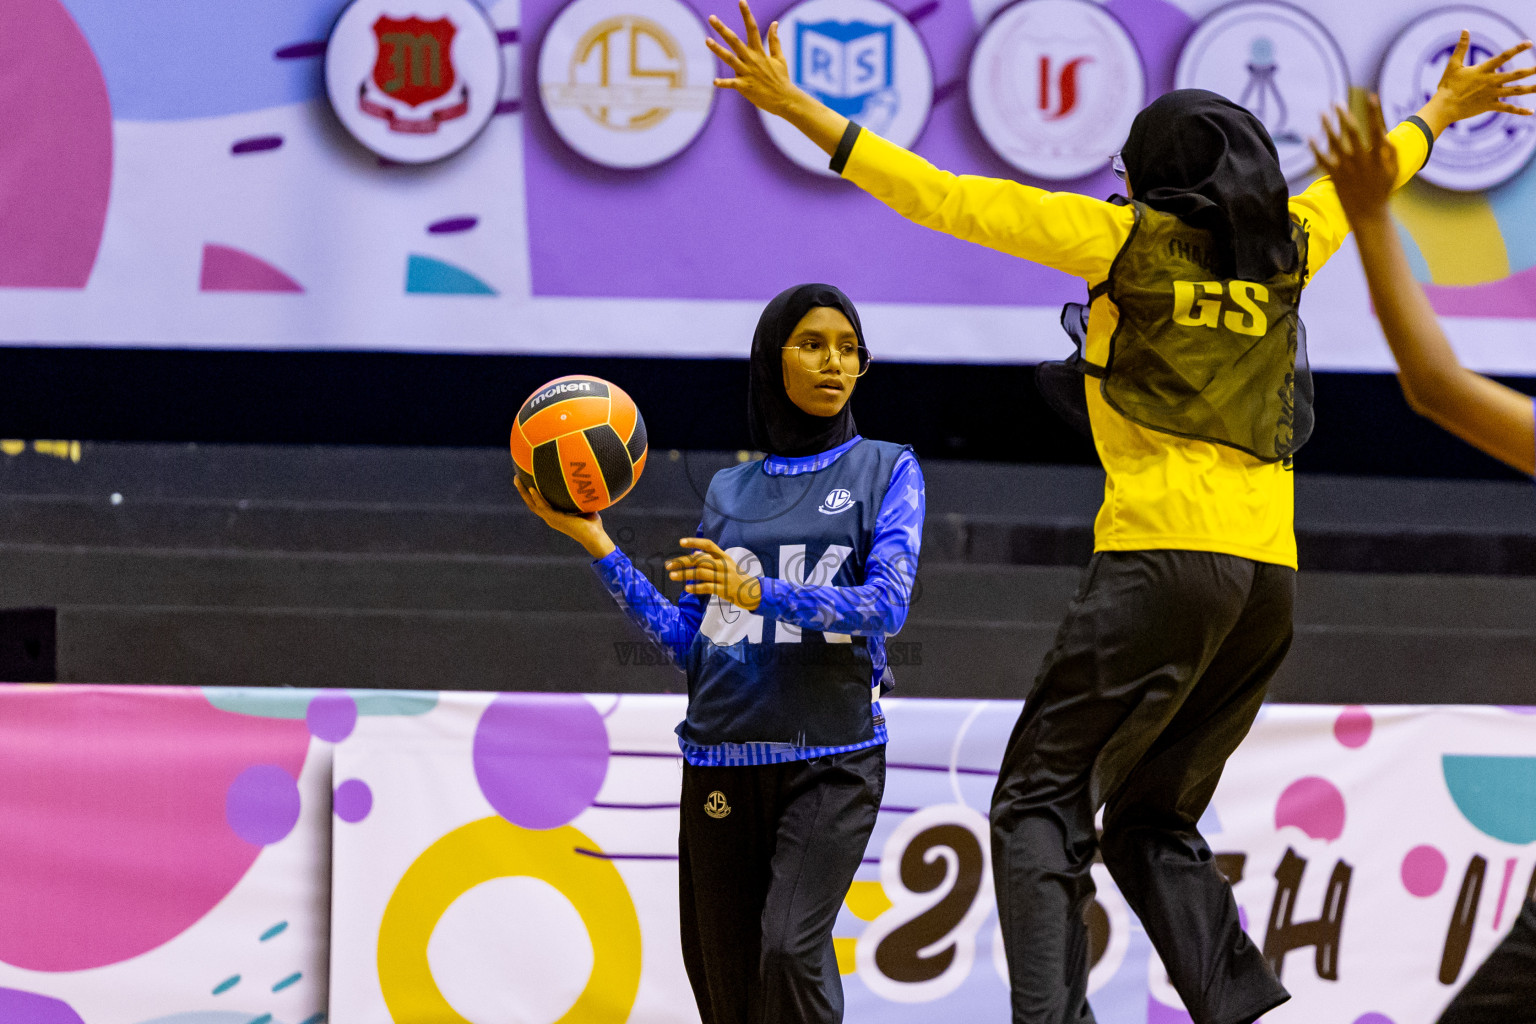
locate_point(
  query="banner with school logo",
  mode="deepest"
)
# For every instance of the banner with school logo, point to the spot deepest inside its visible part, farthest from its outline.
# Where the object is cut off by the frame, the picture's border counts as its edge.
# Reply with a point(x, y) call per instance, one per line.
point(563, 176)
point(234, 856)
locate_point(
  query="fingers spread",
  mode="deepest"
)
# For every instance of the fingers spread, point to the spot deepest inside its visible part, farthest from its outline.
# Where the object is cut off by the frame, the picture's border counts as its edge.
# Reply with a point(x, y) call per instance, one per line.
point(754, 38)
point(1499, 60)
point(1321, 158)
point(1459, 55)
point(774, 49)
point(1352, 134)
point(726, 56)
point(731, 38)
point(1332, 133)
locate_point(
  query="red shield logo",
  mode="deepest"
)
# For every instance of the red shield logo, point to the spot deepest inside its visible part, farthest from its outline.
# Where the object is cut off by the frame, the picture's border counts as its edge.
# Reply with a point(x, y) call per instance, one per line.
point(415, 64)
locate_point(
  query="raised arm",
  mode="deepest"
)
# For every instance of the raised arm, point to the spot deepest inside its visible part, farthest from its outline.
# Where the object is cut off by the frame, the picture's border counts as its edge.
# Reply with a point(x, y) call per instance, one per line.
point(1482, 412)
point(1072, 233)
point(1465, 90)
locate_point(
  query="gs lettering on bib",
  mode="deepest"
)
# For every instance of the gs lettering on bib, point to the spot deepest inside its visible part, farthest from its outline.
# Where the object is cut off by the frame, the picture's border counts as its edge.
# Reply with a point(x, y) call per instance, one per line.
point(1198, 356)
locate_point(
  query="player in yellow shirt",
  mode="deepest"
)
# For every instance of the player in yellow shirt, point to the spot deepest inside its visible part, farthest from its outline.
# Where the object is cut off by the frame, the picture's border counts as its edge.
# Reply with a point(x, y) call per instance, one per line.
point(1184, 613)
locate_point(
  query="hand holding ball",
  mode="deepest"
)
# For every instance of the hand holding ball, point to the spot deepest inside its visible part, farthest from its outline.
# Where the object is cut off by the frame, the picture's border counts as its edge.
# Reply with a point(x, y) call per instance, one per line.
point(581, 442)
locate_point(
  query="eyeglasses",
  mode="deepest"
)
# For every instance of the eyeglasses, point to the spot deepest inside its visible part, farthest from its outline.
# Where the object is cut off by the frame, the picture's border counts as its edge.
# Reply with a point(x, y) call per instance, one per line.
point(1117, 164)
point(815, 355)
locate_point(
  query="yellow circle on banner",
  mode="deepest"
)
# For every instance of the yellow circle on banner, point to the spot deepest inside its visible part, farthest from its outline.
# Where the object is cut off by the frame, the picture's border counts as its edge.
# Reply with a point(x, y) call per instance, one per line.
point(495, 848)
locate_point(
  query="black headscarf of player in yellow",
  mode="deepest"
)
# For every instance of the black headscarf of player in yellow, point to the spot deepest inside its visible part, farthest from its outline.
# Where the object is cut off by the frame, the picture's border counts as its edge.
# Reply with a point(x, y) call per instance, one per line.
point(1212, 164)
point(778, 426)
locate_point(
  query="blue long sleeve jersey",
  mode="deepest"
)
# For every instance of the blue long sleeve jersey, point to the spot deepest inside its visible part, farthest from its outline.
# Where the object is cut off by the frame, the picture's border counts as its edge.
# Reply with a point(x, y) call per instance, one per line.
point(875, 609)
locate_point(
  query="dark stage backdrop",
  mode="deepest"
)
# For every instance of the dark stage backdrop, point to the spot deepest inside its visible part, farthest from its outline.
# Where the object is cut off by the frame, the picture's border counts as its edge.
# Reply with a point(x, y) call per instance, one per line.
point(981, 412)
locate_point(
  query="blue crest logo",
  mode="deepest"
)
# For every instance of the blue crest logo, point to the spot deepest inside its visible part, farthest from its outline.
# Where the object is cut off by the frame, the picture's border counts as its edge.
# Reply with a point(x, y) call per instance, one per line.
point(846, 64)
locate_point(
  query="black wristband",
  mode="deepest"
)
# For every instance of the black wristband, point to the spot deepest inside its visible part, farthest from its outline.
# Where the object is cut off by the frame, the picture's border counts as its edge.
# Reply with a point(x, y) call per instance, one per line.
point(1429, 136)
point(844, 147)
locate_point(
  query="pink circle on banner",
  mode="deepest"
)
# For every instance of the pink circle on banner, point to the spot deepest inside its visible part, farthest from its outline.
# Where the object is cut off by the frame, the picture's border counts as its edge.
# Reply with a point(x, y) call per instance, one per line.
point(540, 758)
point(352, 801)
point(1373, 1018)
point(114, 803)
point(1313, 805)
point(1423, 871)
point(57, 171)
point(1353, 726)
point(331, 715)
point(263, 804)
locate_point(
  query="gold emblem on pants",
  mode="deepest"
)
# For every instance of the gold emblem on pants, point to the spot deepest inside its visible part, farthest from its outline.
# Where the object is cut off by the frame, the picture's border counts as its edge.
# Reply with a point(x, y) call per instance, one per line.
point(715, 806)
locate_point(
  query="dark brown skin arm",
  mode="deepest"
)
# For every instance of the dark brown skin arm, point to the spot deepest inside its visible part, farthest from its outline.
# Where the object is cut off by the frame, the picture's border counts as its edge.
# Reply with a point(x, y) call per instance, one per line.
point(1484, 413)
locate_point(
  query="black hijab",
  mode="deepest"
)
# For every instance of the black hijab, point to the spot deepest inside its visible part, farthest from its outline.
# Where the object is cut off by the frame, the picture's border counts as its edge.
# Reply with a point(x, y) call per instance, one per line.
point(1212, 164)
point(778, 426)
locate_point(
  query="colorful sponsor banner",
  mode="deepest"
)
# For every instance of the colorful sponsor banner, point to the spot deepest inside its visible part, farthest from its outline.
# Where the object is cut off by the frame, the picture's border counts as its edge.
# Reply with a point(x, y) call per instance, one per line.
point(561, 176)
point(520, 864)
point(228, 856)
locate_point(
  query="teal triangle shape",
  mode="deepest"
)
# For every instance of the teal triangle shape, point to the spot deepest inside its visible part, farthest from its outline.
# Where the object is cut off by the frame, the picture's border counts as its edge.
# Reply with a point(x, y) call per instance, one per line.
point(427, 276)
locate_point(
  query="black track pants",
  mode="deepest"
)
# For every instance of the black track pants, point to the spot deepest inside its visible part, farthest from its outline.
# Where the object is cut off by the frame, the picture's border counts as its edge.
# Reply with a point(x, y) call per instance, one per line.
point(761, 885)
point(1156, 676)
point(1503, 991)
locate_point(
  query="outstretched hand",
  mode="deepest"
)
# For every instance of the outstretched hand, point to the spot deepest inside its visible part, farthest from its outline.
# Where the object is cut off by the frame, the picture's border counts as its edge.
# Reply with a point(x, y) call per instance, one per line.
point(1470, 90)
point(585, 528)
point(711, 571)
point(1362, 164)
point(762, 74)
point(762, 77)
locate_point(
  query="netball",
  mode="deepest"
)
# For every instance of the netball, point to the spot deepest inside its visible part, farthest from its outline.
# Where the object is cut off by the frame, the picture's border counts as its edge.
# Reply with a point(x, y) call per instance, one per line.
point(582, 442)
point(888, 697)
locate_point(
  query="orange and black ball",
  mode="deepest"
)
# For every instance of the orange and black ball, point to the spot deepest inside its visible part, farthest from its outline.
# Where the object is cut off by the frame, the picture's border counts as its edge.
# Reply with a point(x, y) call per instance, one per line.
point(581, 441)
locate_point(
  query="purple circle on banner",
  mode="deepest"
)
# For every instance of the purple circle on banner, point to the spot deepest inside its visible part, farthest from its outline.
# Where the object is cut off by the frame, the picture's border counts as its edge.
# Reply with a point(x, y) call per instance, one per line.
point(16, 1005)
point(1423, 871)
point(1373, 1018)
point(1353, 726)
point(332, 715)
point(352, 800)
point(262, 804)
point(540, 759)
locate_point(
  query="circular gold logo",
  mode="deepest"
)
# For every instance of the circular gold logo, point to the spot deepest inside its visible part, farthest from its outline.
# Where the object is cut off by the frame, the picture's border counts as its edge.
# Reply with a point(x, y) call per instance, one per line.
point(715, 806)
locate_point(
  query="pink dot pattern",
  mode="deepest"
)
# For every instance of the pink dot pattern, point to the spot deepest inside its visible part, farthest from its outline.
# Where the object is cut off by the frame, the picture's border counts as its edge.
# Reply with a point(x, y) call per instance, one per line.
point(1314, 805)
point(1423, 871)
point(1353, 727)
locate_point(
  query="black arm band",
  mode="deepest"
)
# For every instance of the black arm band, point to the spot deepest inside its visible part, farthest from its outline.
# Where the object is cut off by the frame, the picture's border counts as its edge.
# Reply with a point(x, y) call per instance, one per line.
point(1429, 136)
point(845, 147)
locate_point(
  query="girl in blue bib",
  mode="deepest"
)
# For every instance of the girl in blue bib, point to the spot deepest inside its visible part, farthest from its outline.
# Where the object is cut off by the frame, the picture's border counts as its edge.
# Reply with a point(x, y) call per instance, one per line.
point(803, 563)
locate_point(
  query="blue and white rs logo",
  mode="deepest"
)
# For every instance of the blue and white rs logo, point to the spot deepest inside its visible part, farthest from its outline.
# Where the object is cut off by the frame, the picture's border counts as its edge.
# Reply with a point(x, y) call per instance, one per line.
point(838, 500)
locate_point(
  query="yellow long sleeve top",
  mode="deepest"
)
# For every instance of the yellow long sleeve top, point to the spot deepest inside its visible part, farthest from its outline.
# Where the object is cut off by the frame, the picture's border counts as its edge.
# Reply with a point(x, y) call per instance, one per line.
point(1160, 491)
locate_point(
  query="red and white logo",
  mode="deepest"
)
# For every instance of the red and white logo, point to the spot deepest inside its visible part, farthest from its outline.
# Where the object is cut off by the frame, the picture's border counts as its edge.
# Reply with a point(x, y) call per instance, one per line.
point(416, 81)
point(1058, 86)
point(1054, 86)
point(414, 69)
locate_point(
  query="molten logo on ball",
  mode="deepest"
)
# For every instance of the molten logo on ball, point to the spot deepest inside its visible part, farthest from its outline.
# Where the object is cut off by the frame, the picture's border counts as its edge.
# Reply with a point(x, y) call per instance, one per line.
point(581, 442)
